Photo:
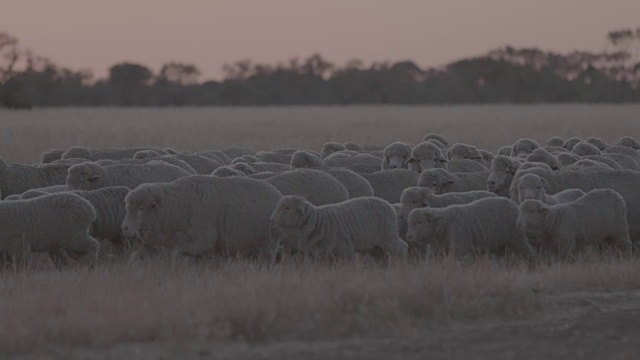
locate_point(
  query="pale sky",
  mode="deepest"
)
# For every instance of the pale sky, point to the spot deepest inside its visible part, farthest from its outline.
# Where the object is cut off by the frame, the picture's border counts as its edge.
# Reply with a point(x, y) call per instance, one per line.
point(98, 33)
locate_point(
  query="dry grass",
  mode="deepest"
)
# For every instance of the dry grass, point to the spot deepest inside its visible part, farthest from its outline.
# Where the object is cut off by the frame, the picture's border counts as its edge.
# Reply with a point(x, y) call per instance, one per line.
point(239, 300)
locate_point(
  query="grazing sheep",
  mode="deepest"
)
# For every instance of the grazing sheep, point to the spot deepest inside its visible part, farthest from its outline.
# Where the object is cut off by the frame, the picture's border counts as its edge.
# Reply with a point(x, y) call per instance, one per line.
point(246, 159)
point(51, 156)
point(584, 149)
point(460, 151)
point(356, 185)
point(441, 181)
point(90, 176)
point(543, 156)
point(501, 173)
point(426, 156)
point(436, 137)
point(464, 165)
point(396, 156)
point(597, 217)
point(570, 143)
point(202, 215)
point(568, 158)
point(532, 187)
point(238, 151)
point(362, 163)
point(487, 224)
point(418, 197)
point(361, 225)
point(305, 159)
point(388, 184)
point(504, 151)
point(597, 142)
point(54, 223)
point(225, 171)
point(523, 147)
point(316, 186)
point(270, 157)
point(629, 142)
point(555, 141)
point(18, 178)
point(331, 147)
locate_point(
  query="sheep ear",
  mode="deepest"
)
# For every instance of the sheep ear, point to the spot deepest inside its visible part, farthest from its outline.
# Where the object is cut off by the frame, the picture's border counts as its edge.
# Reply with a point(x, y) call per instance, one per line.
point(93, 178)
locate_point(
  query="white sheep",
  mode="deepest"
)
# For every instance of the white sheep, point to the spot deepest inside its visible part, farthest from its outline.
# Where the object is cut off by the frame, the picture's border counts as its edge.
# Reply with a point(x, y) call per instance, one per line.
point(501, 174)
point(244, 159)
point(555, 141)
point(18, 178)
point(487, 225)
point(464, 165)
point(51, 156)
point(437, 143)
point(271, 157)
point(316, 186)
point(436, 137)
point(459, 151)
point(362, 163)
point(356, 184)
point(570, 143)
point(79, 152)
point(388, 184)
point(595, 218)
point(225, 171)
point(504, 151)
point(629, 142)
point(543, 156)
point(238, 151)
point(426, 156)
point(532, 187)
point(202, 214)
point(441, 181)
point(583, 149)
point(523, 147)
point(331, 147)
point(361, 225)
point(568, 158)
point(305, 159)
point(91, 176)
point(54, 223)
point(396, 156)
point(603, 160)
point(216, 155)
point(597, 142)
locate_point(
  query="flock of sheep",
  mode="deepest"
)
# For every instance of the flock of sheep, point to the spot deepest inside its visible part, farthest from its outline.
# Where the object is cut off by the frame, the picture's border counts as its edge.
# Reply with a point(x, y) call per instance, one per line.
point(563, 198)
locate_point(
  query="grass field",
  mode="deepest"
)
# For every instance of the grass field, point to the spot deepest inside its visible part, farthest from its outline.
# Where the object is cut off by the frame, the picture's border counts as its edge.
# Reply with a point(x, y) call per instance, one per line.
point(239, 309)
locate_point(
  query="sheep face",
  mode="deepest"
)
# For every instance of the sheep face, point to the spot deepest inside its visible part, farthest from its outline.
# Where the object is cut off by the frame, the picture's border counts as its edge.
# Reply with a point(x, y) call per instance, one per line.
point(502, 171)
point(84, 177)
point(532, 216)
point(439, 182)
point(423, 227)
point(290, 212)
point(141, 219)
point(426, 156)
point(463, 151)
point(531, 187)
point(397, 156)
point(523, 147)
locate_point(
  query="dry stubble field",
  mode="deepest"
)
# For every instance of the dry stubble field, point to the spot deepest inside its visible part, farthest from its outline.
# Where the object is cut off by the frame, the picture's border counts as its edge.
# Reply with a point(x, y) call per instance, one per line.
point(236, 310)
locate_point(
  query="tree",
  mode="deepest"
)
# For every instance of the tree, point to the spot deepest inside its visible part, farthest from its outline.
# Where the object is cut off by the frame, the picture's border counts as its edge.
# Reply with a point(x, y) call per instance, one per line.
point(129, 74)
point(178, 73)
point(9, 56)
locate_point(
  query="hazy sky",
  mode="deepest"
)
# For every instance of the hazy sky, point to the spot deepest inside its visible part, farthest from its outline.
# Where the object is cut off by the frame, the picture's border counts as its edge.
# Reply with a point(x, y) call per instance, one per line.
point(98, 33)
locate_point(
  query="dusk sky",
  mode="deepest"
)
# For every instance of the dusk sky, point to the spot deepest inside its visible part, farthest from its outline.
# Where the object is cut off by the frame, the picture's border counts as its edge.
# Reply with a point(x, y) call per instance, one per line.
point(96, 34)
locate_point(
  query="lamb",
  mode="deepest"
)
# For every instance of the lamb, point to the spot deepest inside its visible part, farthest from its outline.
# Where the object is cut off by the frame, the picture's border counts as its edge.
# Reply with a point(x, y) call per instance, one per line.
point(316, 186)
point(331, 147)
point(51, 156)
point(305, 159)
point(629, 142)
point(388, 184)
point(90, 176)
point(238, 151)
point(18, 178)
point(531, 186)
point(441, 181)
point(597, 142)
point(54, 223)
point(426, 156)
point(584, 149)
point(487, 224)
point(361, 225)
point(201, 215)
point(570, 143)
point(362, 163)
point(523, 147)
point(502, 171)
point(599, 216)
point(555, 141)
point(418, 197)
point(436, 137)
point(459, 151)
point(543, 156)
point(396, 156)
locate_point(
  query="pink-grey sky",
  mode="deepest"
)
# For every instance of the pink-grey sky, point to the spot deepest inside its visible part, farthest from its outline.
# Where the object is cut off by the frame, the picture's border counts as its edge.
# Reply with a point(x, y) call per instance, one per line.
point(98, 33)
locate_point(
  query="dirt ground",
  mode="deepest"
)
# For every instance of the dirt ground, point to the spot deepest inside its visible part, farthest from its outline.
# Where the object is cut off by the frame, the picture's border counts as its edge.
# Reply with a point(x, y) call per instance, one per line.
point(575, 326)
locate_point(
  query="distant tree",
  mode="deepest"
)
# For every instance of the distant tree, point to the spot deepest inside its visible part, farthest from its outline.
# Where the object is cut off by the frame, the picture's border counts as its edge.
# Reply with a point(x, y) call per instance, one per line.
point(130, 83)
point(178, 73)
point(9, 56)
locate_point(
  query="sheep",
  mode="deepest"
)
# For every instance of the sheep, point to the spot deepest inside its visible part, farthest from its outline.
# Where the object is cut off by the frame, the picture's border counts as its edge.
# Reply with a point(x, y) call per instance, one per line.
point(441, 181)
point(464, 165)
point(18, 178)
point(597, 142)
point(356, 185)
point(199, 164)
point(555, 141)
point(91, 176)
point(238, 151)
point(225, 171)
point(350, 145)
point(626, 162)
point(146, 154)
point(629, 142)
point(436, 137)
point(51, 156)
point(603, 160)
point(588, 163)
point(216, 155)
point(363, 163)
point(270, 157)
point(54, 223)
point(501, 173)
point(487, 156)
point(388, 184)
point(625, 182)
point(459, 151)
point(426, 156)
point(584, 149)
point(531, 186)
point(543, 156)
point(284, 151)
point(624, 151)
point(570, 143)
point(169, 159)
point(305, 159)
point(331, 147)
point(555, 150)
point(244, 168)
point(80, 152)
point(271, 167)
point(597, 217)
point(487, 224)
point(316, 186)
point(437, 143)
point(523, 147)
point(202, 214)
point(396, 156)
point(504, 151)
point(567, 158)
point(361, 225)
point(529, 165)
point(418, 197)
point(342, 154)
point(246, 159)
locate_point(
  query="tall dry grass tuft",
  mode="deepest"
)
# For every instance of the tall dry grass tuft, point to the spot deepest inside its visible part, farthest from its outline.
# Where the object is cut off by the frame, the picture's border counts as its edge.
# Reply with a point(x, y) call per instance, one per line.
point(241, 300)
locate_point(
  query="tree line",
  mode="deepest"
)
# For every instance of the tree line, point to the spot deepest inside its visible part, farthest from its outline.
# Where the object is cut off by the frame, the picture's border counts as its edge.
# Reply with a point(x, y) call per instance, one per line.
point(504, 75)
